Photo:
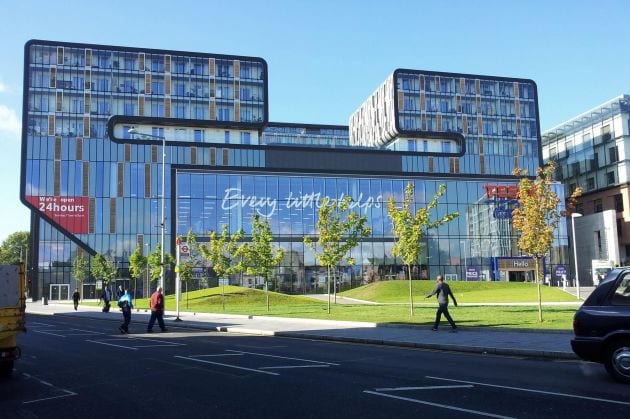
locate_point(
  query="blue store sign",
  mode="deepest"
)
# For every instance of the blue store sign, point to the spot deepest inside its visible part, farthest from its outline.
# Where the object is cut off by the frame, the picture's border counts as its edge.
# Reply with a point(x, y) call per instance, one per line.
point(560, 271)
point(472, 273)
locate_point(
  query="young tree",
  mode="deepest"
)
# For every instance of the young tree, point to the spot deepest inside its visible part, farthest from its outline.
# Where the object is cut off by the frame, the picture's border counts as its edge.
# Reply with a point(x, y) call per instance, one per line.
point(103, 269)
point(80, 268)
point(14, 247)
point(340, 230)
point(154, 261)
point(223, 252)
point(409, 229)
point(137, 267)
point(259, 257)
point(536, 218)
point(186, 266)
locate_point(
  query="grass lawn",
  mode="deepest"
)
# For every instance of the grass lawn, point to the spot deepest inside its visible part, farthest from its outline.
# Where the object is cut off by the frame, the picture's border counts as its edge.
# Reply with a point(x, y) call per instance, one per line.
point(465, 292)
point(253, 302)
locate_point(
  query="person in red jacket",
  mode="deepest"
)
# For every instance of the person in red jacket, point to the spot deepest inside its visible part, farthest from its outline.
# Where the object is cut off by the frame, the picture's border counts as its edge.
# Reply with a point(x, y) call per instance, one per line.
point(157, 310)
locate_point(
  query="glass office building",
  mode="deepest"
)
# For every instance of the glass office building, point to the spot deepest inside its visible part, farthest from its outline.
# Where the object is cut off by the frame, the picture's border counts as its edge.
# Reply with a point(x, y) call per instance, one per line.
point(94, 187)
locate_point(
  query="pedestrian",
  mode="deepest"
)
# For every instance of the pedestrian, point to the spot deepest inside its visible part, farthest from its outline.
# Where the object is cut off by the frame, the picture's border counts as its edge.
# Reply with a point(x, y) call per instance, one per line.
point(126, 304)
point(157, 310)
point(119, 292)
point(106, 297)
point(75, 298)
point(443, 291)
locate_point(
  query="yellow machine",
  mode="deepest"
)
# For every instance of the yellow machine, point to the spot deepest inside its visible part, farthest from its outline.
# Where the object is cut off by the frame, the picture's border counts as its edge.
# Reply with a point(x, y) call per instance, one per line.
point(12, 315)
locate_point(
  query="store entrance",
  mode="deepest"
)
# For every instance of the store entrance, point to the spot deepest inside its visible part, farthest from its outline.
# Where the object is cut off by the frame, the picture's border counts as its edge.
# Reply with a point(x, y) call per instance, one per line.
point(520, 276)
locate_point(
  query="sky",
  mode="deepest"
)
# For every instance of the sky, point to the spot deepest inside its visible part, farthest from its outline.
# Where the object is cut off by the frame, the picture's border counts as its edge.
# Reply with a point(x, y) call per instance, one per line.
point(325, 57)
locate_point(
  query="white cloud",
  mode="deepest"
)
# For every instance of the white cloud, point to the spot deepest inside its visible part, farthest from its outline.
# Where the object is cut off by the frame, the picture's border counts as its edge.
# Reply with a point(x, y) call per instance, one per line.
point(9, 120)
point(3, 87)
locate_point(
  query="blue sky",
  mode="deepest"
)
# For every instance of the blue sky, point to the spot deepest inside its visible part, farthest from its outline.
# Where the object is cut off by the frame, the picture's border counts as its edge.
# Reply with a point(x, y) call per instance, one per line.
point(326, 57)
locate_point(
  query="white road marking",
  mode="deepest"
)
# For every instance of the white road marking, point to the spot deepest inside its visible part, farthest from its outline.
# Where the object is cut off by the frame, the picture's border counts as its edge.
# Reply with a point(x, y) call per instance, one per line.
point(68, 393)
point(201, 356)
point(166, 343)
point(551, 393)
point(283, 357)
point(226, 365)
point(294, 366)
point(422, 388)
point(440, 405)
point(49, 333)
point(111, 344)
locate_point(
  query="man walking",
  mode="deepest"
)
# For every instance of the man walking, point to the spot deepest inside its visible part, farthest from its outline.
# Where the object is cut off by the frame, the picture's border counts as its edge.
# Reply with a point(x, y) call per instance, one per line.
point(443, 291)
point(75, 298)
point(126, 304)
point(157, 310)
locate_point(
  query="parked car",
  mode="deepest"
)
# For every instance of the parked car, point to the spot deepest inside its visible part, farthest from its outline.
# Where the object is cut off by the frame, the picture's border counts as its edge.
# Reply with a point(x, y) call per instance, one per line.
point(602, 325)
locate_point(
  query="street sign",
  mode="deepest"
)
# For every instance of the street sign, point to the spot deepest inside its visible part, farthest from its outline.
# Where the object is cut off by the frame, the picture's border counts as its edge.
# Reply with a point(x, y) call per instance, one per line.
point(184, 249)
point(472, 273)
point(560, 271)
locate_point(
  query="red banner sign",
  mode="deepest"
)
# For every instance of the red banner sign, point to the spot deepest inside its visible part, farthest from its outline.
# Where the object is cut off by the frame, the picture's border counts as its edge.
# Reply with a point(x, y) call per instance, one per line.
point(70, 212)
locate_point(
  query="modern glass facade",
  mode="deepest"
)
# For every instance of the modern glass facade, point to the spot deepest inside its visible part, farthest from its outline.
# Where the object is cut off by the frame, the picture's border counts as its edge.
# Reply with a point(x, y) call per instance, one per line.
point(94, 187)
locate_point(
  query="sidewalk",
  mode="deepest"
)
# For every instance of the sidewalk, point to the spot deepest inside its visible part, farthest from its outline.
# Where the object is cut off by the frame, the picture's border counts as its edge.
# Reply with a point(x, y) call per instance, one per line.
point(545, 344)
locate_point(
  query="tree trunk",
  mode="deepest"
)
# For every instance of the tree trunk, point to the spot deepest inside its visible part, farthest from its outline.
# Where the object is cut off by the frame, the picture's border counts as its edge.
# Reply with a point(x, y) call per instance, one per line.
point(537, 276)
point(328, 285)
point(410, 290)
point(267, 290)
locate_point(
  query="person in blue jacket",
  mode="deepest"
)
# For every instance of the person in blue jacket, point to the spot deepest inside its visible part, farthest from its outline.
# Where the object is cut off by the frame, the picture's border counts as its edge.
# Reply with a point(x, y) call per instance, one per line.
point(126, 304)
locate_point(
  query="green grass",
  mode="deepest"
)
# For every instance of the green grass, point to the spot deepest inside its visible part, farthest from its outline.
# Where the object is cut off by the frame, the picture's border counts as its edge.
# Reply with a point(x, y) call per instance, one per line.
point(465, 292)
point(253, 302)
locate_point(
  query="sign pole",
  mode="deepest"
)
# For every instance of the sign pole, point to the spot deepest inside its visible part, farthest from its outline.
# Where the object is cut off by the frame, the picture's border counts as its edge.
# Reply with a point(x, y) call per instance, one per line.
point(177, 282)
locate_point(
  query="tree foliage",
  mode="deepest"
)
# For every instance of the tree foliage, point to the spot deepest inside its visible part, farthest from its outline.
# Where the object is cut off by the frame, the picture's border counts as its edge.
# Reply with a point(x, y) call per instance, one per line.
point(536, 218)
point(14, 247)
point(103, 269)
point(137, 263)
point(155, 262)
point(410, 228)
point(80, 268)
point(259, 258)
point(340, 230)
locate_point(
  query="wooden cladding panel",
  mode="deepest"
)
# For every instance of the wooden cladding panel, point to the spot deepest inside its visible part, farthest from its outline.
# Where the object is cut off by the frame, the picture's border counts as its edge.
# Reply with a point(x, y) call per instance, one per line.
point(453, 165)
point(91, 211)
point(482, 165)
point(237, 68)
point(141, 105)
point(127, 152)
point(237, 111)
point(424, 121)
point(481, 145)
point(462, 85)
point(167, 107)
point(112, 215)
point(88, 79)
point(86, 126)
point(517, 108)
point(88, 57)
point(59, 101)
point(477, 86)
point(226, 157)
point(519, 147)
point(52, 83)
point(79, 151)
point(515, 89)
point(479, 124)
point(213, 110)
point(459, 104)
point(154, 153)
point(212, 88)
point(167, 63)
point(167, 84)
point(57, 178)
point(465, 124)
point(430, 163)
point(439, 122)
point(147, 83)
point(421, 78)
point(141, 61)
point(193, 155)
point(147, 180)
point(85, 185)
point(57, 148)
point(423, 101)
point(59, 55)
point(120, 179)
point(516, 165)
point(51, 124)
point(213, 156)
point(87, 99)
point(401, 101)
point(212, 66)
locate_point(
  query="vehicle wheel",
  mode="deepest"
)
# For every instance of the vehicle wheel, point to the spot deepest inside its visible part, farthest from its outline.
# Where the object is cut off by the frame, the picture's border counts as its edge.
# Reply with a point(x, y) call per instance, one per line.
point(6, 369)
point(617, 360)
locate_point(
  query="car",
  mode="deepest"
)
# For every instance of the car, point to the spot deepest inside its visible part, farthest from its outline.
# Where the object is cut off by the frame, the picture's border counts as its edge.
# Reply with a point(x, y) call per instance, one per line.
point(602, 325)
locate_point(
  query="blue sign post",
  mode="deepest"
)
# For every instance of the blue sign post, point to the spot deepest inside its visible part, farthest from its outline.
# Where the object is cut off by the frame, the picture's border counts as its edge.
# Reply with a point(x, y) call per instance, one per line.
point(472, 273)
point(560, 271)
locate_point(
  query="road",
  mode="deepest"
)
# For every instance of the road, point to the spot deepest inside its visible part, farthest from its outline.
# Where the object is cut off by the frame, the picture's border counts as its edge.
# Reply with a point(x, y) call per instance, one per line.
point(74, 367)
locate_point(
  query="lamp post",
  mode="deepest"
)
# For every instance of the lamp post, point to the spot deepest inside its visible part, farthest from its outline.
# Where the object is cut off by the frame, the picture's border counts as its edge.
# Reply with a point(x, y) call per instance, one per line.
point(577, 276)
point(463, 243)
point(162, 221)
point(146, 280)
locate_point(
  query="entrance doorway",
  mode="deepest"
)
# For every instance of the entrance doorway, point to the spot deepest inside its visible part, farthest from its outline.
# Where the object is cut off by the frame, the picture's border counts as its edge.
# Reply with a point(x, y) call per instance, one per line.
point(59, 292)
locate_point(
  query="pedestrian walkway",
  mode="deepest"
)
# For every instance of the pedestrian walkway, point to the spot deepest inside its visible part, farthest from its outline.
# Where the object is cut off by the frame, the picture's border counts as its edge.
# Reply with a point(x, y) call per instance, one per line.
point(546, 344)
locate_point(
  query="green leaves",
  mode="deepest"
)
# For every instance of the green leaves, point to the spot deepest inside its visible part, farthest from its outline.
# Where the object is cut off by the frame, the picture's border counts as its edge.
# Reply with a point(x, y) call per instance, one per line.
point(14, 246)
point(223, 252)
point(80, 268)
point(103, 269)
point(137, 263)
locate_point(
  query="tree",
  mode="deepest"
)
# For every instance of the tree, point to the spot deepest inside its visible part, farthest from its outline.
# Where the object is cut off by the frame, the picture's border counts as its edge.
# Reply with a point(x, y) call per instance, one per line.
point(186, 267)
point(259, 257)
point(223, 253)
point(340, 230)
point(80, 268)
point(103, 269)
point(154, 261)
point(536, 218)
point(14, 248)
point(137, 266)
point(409, 229)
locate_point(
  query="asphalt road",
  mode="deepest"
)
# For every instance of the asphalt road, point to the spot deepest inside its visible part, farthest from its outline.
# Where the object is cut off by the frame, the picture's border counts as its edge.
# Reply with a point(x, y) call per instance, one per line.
point(75, 367)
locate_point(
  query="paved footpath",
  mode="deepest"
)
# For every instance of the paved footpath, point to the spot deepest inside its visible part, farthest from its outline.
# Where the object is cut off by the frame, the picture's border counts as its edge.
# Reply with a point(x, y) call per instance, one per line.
point(545, 344)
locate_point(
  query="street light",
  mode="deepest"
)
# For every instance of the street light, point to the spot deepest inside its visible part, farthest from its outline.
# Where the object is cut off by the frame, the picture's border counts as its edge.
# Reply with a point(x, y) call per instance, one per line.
point(577, 276)
point(162, 222)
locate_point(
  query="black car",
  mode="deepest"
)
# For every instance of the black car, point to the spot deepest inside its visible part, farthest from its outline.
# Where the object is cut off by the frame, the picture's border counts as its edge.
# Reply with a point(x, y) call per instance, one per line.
point(602, 325)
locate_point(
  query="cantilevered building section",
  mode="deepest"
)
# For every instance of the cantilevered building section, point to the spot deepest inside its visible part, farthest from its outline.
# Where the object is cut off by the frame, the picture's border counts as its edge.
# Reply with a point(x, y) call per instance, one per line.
point(457, 123)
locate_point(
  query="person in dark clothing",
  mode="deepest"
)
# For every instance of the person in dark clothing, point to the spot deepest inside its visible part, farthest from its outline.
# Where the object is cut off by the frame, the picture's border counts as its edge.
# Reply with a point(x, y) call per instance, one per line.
point(157, 310)
point(119, 292)
point(443, 291)
point(75, 298)
point(126, 304)
point(106, 297)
